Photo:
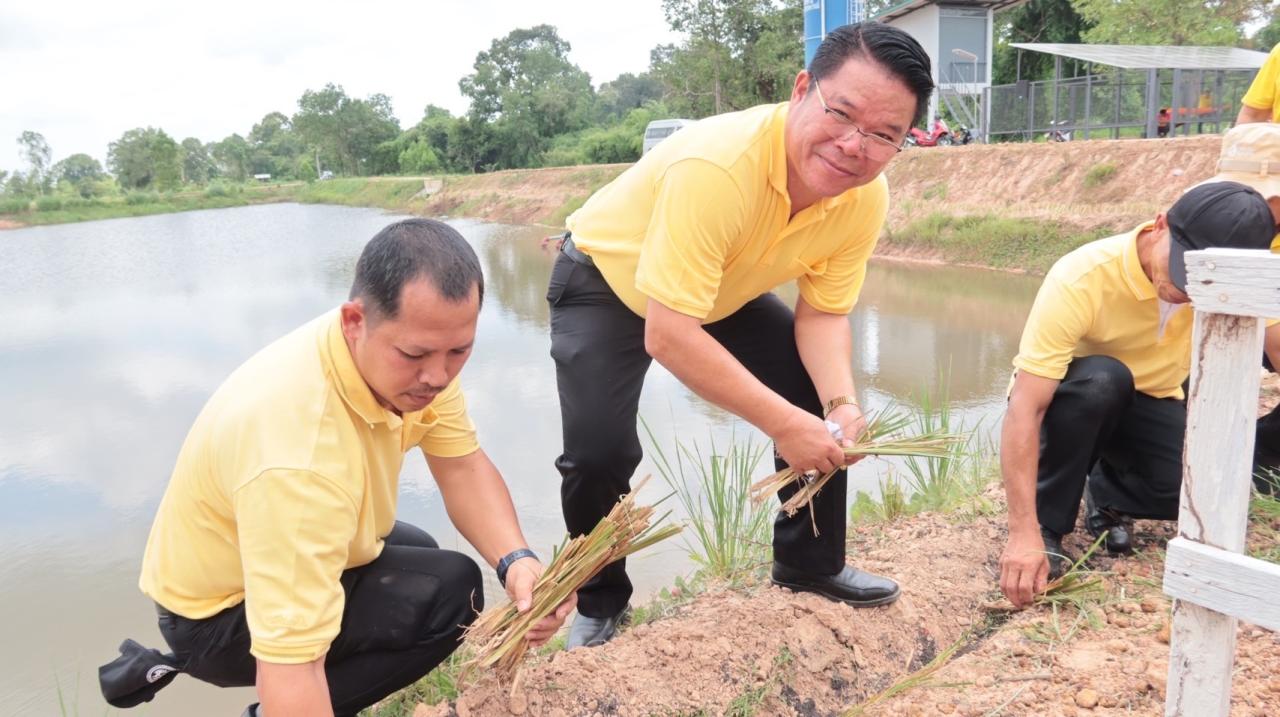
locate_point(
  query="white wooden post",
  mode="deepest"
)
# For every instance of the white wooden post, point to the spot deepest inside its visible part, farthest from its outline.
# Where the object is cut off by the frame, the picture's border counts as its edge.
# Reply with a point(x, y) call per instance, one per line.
point(1211, 582)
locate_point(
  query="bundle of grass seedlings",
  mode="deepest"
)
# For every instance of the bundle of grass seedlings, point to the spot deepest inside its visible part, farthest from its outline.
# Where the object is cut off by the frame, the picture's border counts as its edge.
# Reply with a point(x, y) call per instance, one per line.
point(884, 435)
point(498, 636)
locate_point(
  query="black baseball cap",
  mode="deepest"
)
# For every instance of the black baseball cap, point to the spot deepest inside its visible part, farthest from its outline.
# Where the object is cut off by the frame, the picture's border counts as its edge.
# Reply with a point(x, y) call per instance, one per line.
point(1213, 215)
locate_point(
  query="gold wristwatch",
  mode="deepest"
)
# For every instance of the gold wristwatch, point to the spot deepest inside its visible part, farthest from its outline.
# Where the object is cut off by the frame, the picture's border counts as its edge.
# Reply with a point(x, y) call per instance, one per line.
point(838, 401)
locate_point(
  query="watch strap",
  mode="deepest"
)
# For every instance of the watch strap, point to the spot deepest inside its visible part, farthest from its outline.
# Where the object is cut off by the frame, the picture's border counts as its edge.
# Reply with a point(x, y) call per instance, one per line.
point(833, 404)
point(505, 563)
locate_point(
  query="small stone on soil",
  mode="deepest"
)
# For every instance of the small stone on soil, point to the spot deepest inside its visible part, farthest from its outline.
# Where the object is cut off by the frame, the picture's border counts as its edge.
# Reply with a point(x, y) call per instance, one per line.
point(1087, 698)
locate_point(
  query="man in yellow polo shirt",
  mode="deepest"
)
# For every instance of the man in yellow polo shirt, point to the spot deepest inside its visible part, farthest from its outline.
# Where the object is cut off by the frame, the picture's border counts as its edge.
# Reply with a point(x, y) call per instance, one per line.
point(1098, 390)
point(1262, 102)
point(675, 260)
point(275, 558)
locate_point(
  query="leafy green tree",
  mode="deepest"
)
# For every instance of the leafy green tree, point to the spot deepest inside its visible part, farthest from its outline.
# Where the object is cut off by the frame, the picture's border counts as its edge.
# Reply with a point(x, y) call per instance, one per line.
point(1168, 22)
point(233, 156)
point(526, 87)
point(38, 155)
point(626, 93)
point(79, 172)
point(145, 158)
point(1269, 36)
point(197, 165)
point(737, 53)
point(419, 158)
point(347, 131)
point(275, 146)
point(1036, 21)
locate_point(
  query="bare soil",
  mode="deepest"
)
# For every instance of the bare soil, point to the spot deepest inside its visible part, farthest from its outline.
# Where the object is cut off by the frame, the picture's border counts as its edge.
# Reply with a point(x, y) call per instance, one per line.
point(768, 651)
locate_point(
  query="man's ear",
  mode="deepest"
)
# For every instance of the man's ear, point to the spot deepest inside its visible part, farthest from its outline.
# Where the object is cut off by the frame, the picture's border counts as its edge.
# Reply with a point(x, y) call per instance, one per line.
point(801, 87)
point(353, 318)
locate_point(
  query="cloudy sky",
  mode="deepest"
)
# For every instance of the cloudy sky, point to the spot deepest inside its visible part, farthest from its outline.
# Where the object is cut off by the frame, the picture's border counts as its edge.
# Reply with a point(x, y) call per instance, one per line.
point(83, 72)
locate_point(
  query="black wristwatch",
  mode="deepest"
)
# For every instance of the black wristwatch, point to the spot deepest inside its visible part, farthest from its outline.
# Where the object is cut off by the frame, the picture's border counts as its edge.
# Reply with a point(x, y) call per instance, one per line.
point(505, 563)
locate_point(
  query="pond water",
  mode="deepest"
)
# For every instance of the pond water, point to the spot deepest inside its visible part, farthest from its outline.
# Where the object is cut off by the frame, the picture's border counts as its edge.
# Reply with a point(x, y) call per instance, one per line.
point(116, 332)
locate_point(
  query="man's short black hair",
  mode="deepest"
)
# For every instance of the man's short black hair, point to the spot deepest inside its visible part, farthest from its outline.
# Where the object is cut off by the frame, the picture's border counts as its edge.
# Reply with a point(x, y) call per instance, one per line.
point(893, 48)
point(413, 249)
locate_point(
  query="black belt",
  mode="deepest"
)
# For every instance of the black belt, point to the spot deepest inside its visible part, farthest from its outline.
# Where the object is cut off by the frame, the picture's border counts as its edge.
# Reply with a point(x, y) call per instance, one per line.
point(575, 255)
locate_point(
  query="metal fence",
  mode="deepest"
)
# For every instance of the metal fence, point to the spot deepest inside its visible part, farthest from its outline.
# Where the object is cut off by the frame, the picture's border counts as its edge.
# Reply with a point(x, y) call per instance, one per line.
point(1146, 103)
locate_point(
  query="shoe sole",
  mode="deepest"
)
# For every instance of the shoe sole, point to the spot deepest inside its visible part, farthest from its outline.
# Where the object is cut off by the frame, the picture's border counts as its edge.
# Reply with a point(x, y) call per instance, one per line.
point(801, 588)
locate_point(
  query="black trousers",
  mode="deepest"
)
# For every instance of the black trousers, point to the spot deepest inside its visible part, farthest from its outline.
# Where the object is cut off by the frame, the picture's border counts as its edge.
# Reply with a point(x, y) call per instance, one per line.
point(404, 614)
point(598, 347)
point(1127, 444)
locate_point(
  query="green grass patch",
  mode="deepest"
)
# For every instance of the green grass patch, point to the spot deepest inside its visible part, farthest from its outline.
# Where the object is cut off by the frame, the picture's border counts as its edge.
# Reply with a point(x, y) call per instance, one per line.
point(384, 192)
point(1099, 174)
point(571, 205)
point(991, 240)
point(439, 685)
point(729, 535)
point(937, 190)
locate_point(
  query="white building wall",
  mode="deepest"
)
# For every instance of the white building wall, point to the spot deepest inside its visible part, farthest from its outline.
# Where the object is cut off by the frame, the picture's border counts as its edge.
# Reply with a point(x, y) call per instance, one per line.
point(923, 26)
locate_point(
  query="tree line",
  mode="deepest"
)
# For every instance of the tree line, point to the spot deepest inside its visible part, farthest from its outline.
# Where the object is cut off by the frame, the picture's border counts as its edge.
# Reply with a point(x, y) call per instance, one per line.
point(530, 105)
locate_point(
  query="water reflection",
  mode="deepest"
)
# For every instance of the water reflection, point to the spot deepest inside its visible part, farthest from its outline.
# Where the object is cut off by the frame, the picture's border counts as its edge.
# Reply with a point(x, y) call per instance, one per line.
point(117, 331)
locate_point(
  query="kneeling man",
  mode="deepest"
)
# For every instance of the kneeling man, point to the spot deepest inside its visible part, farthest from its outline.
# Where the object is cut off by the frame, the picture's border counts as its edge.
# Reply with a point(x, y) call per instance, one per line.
point(1098, 392)
point(275, 558)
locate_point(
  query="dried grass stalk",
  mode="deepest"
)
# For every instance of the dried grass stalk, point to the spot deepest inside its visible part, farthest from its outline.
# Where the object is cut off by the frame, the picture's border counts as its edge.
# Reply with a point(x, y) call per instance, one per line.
point(883, 436)
point(498, 637)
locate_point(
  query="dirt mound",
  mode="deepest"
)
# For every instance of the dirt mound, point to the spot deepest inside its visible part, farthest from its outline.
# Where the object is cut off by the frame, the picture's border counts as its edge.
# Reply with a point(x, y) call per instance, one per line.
point(1088, 184)
point(767, 651)
point(770, 649)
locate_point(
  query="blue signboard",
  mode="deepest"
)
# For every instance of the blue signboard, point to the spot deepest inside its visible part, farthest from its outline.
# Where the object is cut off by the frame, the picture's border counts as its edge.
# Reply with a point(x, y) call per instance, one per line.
point(823, 16)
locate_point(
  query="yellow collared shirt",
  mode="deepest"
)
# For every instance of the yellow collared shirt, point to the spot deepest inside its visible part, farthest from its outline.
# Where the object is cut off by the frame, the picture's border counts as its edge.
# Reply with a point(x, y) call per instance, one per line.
point(288, 477)
point(702, 224)
point(1097, 301)
point(1265, 90)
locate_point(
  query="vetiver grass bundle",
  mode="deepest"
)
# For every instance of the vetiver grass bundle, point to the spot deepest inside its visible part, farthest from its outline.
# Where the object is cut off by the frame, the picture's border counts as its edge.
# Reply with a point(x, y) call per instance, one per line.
point(498, 636)
point(883, 436)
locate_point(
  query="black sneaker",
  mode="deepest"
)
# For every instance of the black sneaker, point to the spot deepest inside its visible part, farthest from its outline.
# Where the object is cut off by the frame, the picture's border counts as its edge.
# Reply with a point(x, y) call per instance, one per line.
point(1059, 559)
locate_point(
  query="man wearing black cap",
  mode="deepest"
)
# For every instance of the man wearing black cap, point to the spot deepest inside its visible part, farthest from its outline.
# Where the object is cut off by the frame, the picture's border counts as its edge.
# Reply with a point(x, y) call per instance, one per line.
point(1098, 391)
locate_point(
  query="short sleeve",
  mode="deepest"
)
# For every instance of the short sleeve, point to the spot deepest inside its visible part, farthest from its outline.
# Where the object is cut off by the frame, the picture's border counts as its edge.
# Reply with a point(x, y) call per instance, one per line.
point(1059, 318)
point(833, 287)
point(1262, 93)
point(294, 528)
point(453, 434)
point(697, 214)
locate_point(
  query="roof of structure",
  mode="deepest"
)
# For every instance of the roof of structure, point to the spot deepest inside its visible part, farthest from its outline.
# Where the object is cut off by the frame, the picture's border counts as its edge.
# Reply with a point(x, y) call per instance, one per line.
point(1146, 57)
point(906, 7)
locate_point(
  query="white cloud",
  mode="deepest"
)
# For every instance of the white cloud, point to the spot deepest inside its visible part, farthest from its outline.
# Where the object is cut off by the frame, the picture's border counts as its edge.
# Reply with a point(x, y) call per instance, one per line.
point(82, 73)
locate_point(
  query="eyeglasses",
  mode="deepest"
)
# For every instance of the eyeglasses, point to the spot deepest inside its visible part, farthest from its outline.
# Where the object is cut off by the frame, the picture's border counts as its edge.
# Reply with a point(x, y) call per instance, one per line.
point(842, 129)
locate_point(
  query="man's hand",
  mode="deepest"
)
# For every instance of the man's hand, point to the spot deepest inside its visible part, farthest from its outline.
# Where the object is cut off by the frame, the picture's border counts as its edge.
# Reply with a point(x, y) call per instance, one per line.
point(1024, 568)
point(521, 577)
point(805, 443)
point(852, 423)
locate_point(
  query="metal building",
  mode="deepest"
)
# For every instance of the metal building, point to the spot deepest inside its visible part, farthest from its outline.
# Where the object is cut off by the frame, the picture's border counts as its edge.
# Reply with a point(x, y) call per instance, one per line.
point(1122, 91)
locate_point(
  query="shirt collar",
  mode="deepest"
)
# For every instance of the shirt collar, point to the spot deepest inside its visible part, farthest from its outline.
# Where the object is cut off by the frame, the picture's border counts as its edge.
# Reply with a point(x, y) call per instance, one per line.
point(1135, 277)
point(351, 385)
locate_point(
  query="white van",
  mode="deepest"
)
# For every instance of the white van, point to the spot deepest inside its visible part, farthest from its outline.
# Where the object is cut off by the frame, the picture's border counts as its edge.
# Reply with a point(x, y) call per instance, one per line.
point(659, 130)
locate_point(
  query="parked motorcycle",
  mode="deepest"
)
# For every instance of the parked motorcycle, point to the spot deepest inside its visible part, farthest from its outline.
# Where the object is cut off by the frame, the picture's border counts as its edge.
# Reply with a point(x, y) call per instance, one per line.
point(939, 135)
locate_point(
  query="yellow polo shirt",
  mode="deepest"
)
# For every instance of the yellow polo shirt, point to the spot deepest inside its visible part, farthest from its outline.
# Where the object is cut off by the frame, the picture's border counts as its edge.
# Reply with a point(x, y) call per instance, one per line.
point(702, 224)
point(1096, 301)
point(288, 477)
point(1265, 90)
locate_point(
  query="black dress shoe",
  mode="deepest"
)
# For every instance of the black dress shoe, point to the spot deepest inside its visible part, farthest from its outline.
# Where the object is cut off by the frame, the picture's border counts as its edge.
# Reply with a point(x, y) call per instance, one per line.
point(595, 631)
point(1118, 527)
point(1059, 559)
point(850, 585)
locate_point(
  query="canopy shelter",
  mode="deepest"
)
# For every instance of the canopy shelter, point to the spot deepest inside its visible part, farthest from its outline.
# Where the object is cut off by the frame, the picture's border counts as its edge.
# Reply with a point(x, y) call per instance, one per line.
point(906, 7)
point(1162, 89)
